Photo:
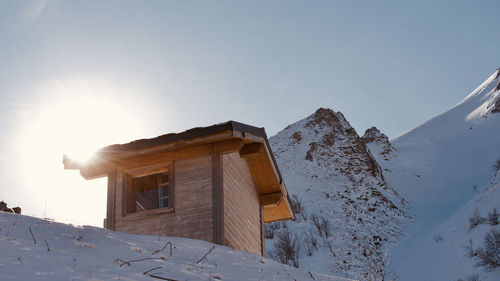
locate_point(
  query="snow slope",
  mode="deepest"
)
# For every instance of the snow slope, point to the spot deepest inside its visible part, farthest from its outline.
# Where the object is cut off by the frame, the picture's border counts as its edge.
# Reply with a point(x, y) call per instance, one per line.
point(435, 167)
point(65, 252)
point(328, 167)
point(448, 259)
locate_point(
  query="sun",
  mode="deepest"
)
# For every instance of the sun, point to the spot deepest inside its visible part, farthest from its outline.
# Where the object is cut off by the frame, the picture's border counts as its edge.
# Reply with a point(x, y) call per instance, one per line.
point(77, 117)
point(73, 118)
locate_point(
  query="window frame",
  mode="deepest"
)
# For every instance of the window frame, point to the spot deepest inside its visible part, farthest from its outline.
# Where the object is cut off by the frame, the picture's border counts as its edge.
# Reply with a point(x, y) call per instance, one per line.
point(143, 172)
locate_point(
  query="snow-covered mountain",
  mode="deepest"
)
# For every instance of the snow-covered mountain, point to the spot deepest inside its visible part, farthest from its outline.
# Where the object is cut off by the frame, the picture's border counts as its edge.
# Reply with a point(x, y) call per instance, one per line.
point(347, 212)
point(431, 179)
point(36, 249)
point(443, 168)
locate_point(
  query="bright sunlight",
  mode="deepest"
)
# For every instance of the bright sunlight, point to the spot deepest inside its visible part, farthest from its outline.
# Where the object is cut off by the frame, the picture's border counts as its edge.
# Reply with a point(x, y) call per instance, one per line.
point(75, 118)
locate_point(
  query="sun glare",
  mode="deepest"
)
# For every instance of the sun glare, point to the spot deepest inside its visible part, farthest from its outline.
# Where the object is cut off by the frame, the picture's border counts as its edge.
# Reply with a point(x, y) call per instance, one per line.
point(73, 118)
point(77, 117)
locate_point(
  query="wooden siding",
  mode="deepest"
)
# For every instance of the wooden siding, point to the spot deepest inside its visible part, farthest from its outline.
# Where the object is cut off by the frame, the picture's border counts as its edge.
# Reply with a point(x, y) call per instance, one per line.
point(192, 216)
point(218, 198)
point(119, 194)
point(242, 218)
point(110, 208)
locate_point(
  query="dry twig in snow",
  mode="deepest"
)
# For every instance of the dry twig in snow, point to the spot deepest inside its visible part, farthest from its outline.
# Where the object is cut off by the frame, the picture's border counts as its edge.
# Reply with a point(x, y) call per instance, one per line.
point(168, 243)
point(205, 256)
point(32, 235)
point(161, 278)
point(47, 244)
point(143, 259)
point(146, 272)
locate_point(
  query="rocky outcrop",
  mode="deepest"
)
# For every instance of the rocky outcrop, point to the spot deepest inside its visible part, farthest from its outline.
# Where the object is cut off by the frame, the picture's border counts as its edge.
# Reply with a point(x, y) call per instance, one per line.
point(329, 168)
point(4, 208)
point(378, 143)
point(496, 105)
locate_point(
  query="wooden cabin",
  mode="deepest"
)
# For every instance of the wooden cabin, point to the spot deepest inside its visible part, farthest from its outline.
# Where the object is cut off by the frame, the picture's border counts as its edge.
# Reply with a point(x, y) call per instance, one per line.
point(218, 183)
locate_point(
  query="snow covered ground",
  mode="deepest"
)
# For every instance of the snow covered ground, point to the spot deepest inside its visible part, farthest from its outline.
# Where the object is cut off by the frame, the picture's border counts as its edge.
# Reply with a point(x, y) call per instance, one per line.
point(449, 259)
point(439, 167)
point(65, 252)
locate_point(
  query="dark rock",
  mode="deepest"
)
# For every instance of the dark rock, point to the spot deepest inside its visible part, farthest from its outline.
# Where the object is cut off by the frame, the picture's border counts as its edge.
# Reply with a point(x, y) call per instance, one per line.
point(5, 208)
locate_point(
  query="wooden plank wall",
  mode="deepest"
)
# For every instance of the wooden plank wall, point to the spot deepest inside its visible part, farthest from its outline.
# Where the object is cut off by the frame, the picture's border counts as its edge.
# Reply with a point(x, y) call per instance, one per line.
point(218, 198)
point(110, 204)
point(193, 213)
point(242, 218)
point(119, 183)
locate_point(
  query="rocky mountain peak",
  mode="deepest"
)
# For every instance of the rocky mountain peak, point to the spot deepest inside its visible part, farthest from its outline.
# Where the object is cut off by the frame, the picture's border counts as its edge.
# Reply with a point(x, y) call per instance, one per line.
point(329, 141)
point(328, 167)
point(323, 116)
point(378, 143)
point(487, 100)
point(327, 118)
point(372, 134)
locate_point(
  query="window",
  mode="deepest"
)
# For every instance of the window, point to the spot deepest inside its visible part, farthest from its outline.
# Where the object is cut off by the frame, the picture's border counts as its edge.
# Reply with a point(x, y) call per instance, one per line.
point(150, 192)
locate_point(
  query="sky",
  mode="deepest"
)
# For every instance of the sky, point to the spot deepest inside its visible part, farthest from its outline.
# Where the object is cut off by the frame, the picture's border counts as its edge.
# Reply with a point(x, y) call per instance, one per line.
point(79, 75)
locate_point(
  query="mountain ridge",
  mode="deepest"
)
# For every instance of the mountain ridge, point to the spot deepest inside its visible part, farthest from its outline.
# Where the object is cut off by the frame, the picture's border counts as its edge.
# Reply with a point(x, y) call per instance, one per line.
point(332, 174)
point(429, 173)
point(438, 167)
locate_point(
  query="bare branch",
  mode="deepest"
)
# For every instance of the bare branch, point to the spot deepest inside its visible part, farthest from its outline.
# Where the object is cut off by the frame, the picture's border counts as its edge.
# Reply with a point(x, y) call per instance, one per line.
point(32, 235)
point(47, 244)
point(205, 256)
point(161, 278)
point(146, 272)
point(130, 261)
point(168, 243)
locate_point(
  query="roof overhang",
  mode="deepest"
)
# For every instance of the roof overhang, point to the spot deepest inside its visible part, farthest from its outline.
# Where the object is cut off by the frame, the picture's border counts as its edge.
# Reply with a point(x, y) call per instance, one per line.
point(251, 143)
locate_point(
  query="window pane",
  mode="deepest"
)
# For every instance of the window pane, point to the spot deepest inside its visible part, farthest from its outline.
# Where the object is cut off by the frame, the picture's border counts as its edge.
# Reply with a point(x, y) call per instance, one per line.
point(164, 202)
point(144, 194)
point(149, 192)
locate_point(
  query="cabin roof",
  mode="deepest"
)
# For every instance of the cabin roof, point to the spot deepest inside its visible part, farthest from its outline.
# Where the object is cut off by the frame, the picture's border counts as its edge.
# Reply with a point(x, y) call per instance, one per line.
point(195, 133)
point(188, 134)
point(229, 136)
